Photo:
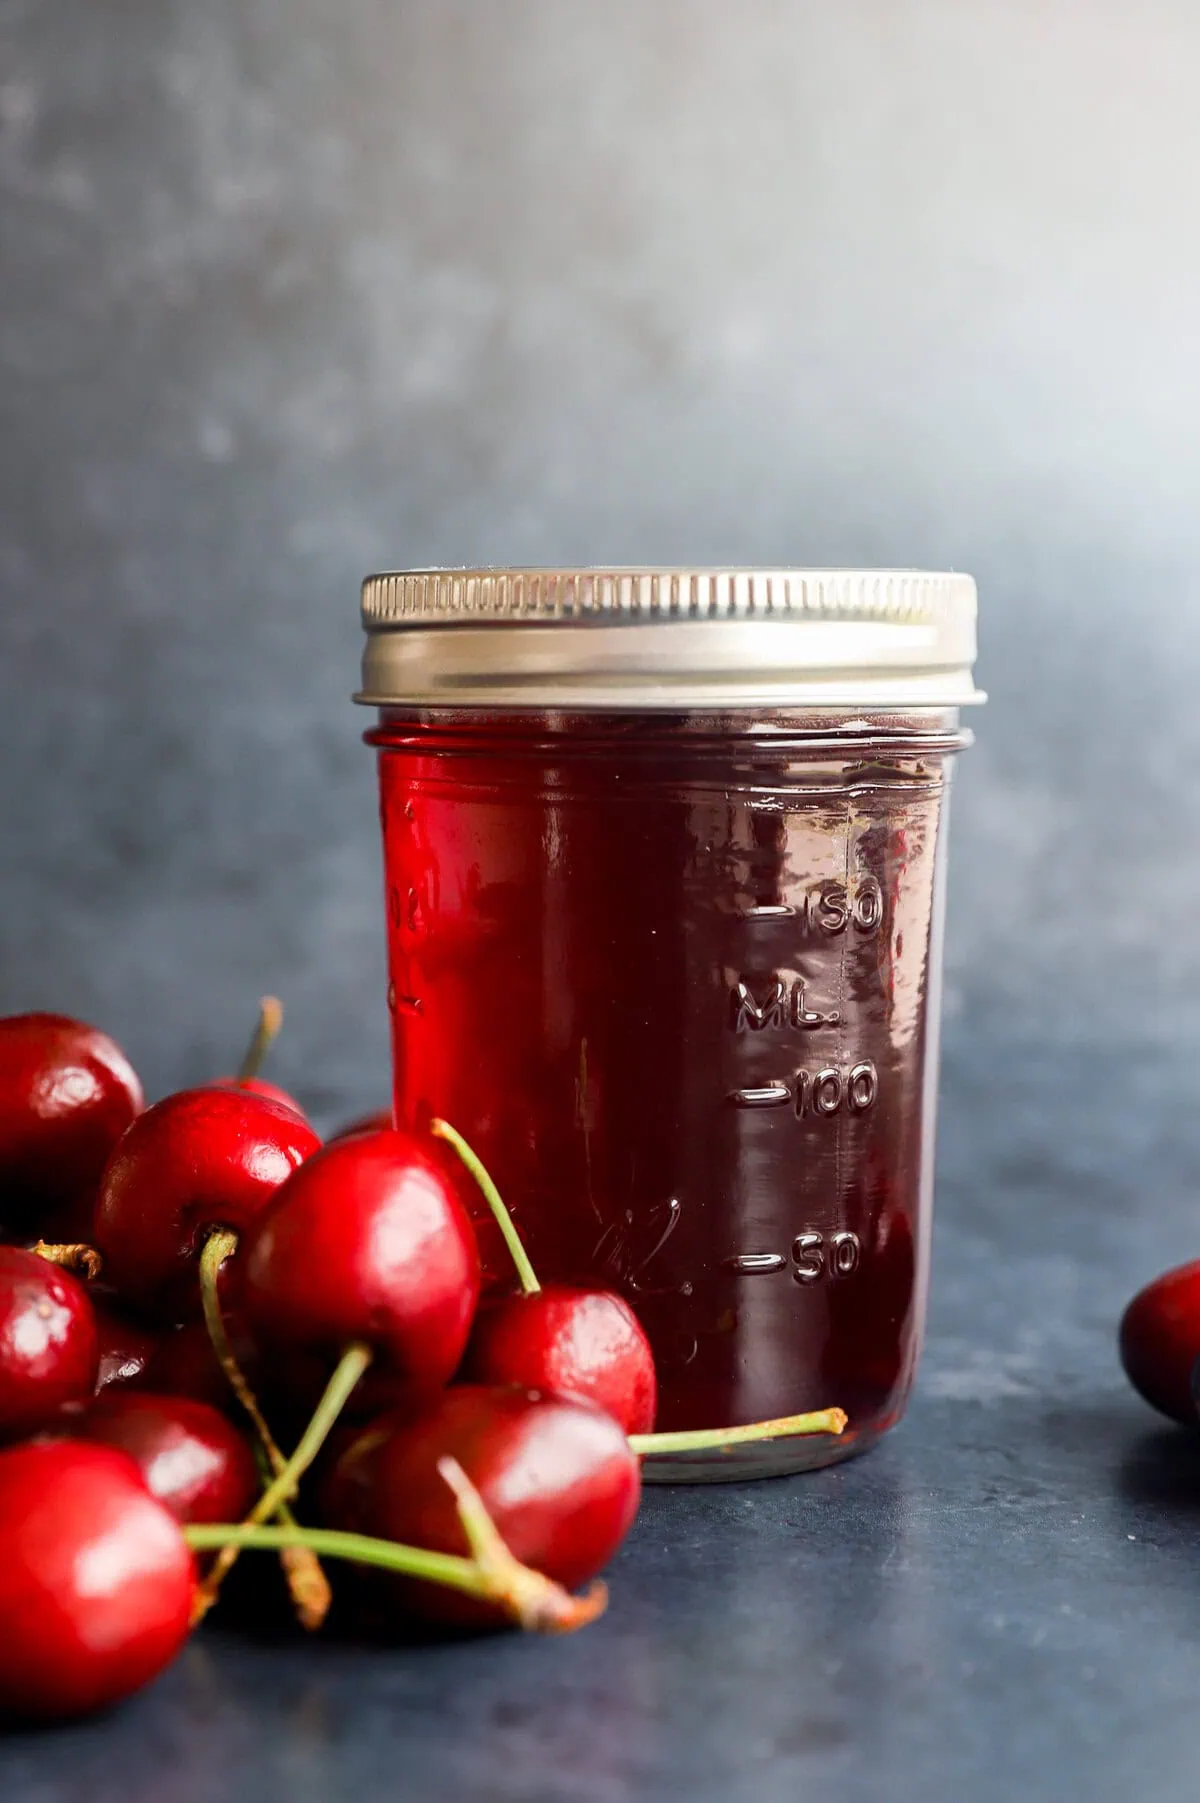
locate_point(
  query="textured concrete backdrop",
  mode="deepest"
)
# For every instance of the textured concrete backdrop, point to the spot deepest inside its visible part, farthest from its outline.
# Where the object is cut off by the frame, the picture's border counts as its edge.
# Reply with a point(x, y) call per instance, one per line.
point(291, 289)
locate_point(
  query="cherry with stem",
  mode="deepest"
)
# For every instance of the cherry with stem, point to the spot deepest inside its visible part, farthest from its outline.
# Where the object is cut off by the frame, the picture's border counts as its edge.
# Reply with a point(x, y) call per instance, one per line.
point(491, 1573)
point(266, 1032)
point(544, 1339)
point(366, 1246)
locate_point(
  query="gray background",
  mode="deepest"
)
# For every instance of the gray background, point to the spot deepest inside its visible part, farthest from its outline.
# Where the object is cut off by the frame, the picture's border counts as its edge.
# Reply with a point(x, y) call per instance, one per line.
point(293, 290)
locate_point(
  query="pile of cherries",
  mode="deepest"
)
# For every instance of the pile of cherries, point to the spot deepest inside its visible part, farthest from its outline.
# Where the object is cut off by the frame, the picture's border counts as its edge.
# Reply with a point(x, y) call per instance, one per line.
point(1160, 1343)
point(183, 1286)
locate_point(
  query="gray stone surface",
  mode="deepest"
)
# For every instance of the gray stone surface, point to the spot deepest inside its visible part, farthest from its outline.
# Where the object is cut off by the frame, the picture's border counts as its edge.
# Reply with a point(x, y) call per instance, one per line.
point(291, 291)
point(1001, 1601)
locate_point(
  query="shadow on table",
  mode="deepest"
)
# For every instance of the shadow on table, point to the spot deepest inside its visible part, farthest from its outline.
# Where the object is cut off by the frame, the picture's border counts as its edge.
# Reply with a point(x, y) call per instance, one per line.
point(1162, 1469)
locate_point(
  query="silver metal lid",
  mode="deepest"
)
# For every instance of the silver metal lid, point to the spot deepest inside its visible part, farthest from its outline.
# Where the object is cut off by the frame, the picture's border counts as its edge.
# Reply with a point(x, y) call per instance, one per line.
point(669, 638)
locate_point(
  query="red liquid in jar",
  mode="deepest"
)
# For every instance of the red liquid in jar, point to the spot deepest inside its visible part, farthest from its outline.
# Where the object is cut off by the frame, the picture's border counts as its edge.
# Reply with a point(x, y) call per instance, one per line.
point(676, 982)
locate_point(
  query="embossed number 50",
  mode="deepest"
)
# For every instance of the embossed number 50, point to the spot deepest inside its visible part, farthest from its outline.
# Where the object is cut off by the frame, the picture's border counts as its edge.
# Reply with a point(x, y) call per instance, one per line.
point(815, 1256)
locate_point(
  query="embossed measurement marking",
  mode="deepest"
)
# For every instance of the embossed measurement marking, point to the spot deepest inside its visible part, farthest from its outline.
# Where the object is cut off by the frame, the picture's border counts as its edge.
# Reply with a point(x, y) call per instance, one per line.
point(826, 1092)
point(814, 1255)
point(784, 1006)
point(767, 1095)
point(829, 908)
point(750, 1264)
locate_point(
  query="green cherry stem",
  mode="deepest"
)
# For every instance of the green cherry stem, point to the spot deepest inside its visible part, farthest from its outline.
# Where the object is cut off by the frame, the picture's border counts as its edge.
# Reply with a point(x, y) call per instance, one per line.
point(311, 1591)
point(216, 1249)
point(307, 1583)
point(283, 1485)
point(492, 1573)
point(716, 1439)
point(266, 1032)
point(494, 1200)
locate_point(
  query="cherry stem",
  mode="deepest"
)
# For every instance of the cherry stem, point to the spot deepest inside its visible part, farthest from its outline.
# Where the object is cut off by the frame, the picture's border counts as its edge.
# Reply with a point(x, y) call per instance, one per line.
point(716, 1439)
point(83, 1260)
point(283, 1485)
point(216, 1249)
point(492, 1573)
point(494, 1200)
point(307, 1583)
point(311, 1591)
point(266, 1032)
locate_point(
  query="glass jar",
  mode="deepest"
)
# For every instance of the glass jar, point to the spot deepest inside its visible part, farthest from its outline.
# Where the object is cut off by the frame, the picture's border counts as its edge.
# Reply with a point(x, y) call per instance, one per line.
point(664, 858)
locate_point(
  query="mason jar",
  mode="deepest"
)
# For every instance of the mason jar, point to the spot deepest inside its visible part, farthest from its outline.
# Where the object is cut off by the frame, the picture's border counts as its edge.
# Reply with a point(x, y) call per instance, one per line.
point(664, 858)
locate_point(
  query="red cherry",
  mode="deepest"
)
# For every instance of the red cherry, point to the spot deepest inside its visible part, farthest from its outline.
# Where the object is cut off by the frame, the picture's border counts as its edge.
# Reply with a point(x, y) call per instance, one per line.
point(126, 1345)
point(190, 1457)
point(369, 1243)
point(260, 1086)
point(558, 1478)
point(1160, 1341)
point(382, 1121)
point(67, 1093)
point(49, 1349)
point(266, 1031)
point(582, 1343)
point(96, 1582)
point(365, 1256)
point(200, 1160)
point(183, 1363)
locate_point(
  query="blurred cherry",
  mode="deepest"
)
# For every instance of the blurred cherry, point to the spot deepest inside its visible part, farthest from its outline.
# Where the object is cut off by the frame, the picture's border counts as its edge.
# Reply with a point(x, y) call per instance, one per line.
point(382, 1121)
point(126, 1344)
point(266, 1031)
point(67, 1093)
point(190, 1456)
point(1159, 1341)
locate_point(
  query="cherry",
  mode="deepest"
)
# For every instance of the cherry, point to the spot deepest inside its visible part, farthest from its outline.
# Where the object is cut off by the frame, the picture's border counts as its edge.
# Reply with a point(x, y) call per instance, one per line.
point(1160, 1341)
point(201, 1160)
point(382, 1121)
point(367, 1243)
point(96, 1582)
point(270, 1020)
point(582, 1343)
point(127, 1346)
point(570, 1342)
point(190, 1456)
point(513, 1592)
point(49, 1348)
point(558, 1479)
point(67, 1093)
point(184, 1363)
point(366, 1254)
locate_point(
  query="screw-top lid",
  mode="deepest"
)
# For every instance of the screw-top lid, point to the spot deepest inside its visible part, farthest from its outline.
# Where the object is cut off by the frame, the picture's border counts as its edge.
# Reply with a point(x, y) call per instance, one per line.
point(669, 639)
